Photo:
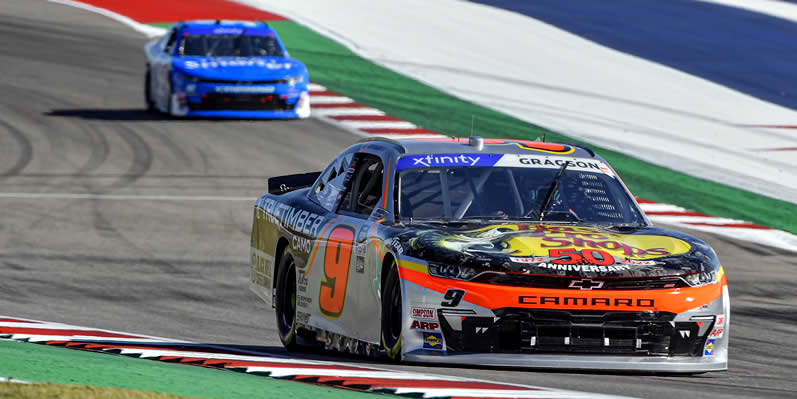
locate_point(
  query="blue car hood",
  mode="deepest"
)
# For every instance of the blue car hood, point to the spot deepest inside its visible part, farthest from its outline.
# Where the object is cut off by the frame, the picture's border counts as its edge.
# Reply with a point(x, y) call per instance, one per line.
point(239, 68)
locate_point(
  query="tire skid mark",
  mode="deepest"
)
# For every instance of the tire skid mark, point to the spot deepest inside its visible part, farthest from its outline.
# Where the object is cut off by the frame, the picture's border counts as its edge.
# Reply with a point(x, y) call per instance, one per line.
point(25, 153)
point(100, 148)
point(173, 147)
point(142, 156)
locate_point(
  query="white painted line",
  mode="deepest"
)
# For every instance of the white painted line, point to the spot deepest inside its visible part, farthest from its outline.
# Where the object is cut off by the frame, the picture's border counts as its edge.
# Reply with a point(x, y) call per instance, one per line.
point(12, 380)
point(379, 124)
point(693, 219)
point(365, 373)
point(497, 393)
point(347, 111)
point(315, 87)
point(408, 136)
point(124, 197)
point(46, 338)
point(52, 326)
point(771, 238)
point(659, 207)
point(149, 31)
point(148, 353)
point(329, 100)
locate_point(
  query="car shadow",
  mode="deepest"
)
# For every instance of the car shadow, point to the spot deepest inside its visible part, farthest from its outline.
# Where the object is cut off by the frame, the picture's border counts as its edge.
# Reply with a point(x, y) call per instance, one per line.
point(129, 114)
point(133, 115)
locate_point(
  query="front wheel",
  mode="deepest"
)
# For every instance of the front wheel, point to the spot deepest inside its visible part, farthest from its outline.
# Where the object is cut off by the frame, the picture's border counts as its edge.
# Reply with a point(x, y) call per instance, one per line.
point(285, 302)
point(391, 314)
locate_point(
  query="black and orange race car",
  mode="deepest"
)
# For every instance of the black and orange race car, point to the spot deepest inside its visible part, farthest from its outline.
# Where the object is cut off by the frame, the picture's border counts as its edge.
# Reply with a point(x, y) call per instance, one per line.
point(488, 252)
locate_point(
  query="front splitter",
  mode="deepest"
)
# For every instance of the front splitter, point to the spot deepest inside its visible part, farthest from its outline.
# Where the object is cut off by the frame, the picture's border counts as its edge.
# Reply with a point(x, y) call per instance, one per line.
point(659, 364)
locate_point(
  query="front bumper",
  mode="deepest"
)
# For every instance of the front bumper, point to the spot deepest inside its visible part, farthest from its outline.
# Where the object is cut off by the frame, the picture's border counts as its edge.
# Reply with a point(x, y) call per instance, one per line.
point(690, 340)
point(207, 100)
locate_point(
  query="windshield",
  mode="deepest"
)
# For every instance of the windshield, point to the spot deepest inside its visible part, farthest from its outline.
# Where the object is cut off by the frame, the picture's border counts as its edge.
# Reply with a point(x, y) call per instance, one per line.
point(229, 45)
point(586, 192)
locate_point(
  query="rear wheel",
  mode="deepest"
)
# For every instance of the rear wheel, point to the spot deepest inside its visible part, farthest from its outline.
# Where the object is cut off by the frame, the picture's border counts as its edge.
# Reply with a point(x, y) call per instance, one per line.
point(285, 302)
point(391, 314)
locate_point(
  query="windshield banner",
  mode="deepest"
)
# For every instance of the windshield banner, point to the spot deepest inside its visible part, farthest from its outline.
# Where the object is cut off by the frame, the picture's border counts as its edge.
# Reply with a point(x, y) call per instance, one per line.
point(501, 160)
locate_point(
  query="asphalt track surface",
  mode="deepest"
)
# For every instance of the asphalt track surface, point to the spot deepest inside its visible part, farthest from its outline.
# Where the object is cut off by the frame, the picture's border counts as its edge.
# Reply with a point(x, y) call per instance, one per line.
point(72, 121)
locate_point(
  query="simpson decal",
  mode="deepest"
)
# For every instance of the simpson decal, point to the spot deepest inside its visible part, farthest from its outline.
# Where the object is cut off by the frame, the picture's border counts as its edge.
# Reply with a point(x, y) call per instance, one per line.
point(423, 314)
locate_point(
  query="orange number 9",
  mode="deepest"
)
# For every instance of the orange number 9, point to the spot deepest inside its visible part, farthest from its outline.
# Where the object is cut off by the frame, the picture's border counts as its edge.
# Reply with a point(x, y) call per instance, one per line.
point(336, 271)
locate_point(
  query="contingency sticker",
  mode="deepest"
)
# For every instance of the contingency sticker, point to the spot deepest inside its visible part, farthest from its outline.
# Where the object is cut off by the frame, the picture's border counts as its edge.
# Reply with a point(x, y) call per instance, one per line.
point(432, 340)
point(709, 350)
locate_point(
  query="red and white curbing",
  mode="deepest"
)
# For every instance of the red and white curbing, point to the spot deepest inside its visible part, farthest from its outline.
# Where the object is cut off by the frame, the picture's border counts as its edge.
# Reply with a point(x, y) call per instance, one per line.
point(681, 217)
point(367, 379)
point(361, 119)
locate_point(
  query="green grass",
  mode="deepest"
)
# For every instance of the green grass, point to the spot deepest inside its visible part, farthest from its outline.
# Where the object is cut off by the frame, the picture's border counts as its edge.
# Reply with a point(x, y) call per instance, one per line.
point(56, 365)
point(55, 391)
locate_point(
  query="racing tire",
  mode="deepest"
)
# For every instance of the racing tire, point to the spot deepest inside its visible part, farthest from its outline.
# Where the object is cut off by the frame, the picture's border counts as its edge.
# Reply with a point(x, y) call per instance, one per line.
point(285, 302)
point(392, 305)
point(148, 91)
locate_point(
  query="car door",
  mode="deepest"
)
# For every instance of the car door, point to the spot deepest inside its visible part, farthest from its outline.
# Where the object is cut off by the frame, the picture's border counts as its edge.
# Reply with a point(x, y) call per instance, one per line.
point(344, 271)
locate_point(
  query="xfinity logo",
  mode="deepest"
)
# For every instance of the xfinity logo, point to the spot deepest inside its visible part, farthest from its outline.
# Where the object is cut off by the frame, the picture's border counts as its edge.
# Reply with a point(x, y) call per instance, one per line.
point(431, 160)
point(586, 284)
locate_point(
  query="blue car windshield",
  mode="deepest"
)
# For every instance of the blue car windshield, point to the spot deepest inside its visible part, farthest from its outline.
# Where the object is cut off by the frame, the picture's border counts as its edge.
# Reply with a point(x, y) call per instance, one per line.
point(215, 45)
point(514, 193)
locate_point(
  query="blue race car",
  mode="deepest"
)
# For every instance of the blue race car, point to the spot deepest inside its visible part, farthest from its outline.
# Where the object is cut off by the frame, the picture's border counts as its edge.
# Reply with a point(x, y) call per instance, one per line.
point(225, 69)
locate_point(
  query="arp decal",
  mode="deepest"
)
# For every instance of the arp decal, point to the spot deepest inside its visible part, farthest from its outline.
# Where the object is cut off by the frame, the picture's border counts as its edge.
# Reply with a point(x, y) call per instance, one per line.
point(337, 258)
point(424, 325)
point(717, 332)
point(432, 340)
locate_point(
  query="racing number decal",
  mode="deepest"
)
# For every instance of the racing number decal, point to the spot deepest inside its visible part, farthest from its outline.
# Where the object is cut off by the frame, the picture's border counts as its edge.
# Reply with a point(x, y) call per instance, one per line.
point(452, 298)
point(591, 256)
point(336, 271)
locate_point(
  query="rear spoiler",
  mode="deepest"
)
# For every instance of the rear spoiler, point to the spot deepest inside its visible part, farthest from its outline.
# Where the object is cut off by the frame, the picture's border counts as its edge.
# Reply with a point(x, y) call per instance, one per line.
point(283, 184)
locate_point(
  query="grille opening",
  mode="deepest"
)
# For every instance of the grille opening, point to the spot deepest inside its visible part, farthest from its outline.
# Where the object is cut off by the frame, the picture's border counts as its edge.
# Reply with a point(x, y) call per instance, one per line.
point(575, 331)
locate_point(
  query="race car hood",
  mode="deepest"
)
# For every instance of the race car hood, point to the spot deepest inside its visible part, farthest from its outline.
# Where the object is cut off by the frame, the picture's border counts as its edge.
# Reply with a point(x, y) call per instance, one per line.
point(239, 68)
point(556, 250)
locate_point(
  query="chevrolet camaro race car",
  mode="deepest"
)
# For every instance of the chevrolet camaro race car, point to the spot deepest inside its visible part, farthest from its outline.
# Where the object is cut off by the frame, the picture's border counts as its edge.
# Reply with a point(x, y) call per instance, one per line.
point(225, 69)
point(485, 252)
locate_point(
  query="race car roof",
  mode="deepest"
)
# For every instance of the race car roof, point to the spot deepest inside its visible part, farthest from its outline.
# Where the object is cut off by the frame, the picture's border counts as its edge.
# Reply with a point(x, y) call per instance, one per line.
point(492, 146)
point(204, 23)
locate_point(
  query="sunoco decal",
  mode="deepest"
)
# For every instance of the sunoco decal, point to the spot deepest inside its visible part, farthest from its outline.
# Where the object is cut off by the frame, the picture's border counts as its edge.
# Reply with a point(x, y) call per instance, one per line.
point(432, 340)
